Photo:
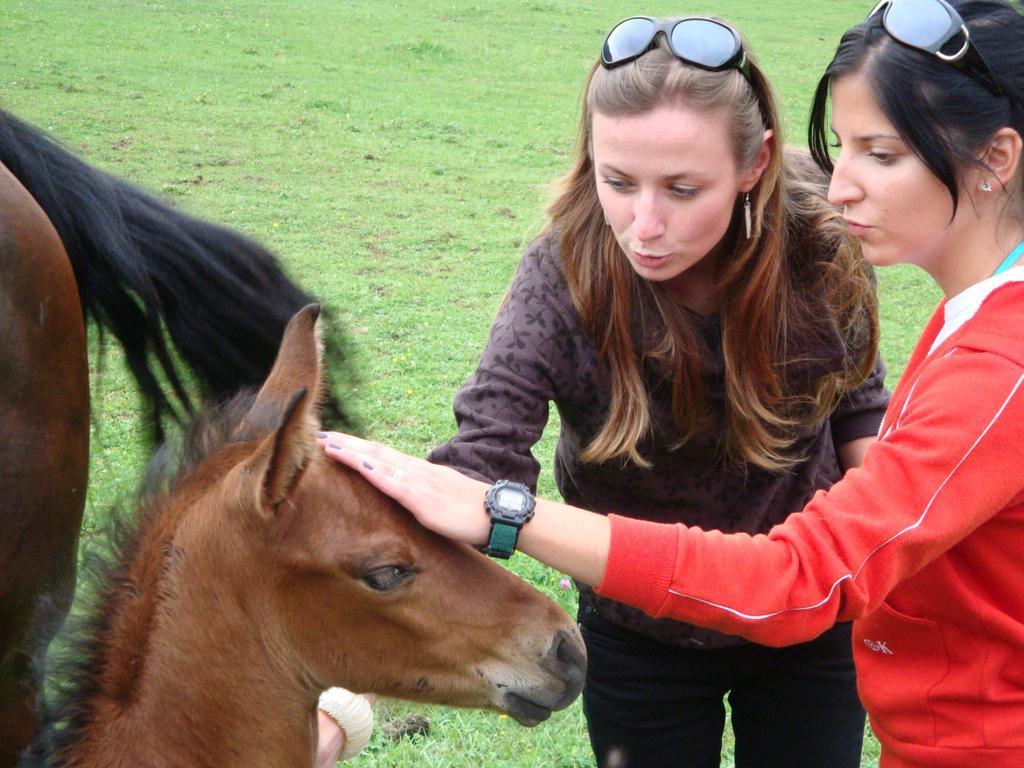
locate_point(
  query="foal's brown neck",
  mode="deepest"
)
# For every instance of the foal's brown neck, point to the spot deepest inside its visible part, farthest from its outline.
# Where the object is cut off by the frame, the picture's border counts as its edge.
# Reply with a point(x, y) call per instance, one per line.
point(214, 689)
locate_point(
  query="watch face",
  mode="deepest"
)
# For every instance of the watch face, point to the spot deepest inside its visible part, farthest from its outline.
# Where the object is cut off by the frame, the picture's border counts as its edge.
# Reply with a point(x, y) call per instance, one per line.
point(512, 499)
point(510, 505)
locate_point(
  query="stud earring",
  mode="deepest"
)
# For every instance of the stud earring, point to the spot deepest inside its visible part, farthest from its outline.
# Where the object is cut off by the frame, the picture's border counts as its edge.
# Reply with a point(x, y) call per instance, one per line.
point(986, 186)
point(746, 212)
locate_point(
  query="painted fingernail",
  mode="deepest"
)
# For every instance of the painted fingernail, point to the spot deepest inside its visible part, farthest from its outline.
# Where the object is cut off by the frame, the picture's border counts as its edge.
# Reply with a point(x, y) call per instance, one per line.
point(321, 435)
point(334, 447)
point(368, 465)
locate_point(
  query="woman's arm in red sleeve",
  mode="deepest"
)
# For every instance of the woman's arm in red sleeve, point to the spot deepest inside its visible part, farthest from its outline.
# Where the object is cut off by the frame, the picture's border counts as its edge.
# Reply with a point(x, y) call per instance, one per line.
point(950, 464)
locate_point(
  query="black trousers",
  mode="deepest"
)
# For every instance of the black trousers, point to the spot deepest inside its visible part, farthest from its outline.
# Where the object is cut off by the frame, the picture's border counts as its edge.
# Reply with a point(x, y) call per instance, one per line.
point(652, 705)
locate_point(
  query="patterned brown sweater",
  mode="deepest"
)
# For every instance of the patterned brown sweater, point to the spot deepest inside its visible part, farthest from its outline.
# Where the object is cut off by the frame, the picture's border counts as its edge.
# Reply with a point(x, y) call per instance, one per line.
point(538, 354)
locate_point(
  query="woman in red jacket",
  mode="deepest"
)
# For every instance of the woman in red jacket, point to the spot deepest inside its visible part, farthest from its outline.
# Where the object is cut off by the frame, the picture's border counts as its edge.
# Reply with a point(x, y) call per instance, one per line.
point(922, 545)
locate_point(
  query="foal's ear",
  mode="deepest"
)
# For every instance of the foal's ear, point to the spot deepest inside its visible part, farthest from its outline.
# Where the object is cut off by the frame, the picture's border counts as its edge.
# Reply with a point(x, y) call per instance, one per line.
point(283, 455)
point(284, 414)
point(296, 367)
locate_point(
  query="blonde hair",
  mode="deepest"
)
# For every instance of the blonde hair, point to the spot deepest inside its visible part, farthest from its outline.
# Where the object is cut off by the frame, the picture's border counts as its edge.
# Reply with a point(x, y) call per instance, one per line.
point(762, 282)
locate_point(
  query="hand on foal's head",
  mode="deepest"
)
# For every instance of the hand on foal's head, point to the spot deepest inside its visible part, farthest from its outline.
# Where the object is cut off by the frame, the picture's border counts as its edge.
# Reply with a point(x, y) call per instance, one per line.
point(442, 499)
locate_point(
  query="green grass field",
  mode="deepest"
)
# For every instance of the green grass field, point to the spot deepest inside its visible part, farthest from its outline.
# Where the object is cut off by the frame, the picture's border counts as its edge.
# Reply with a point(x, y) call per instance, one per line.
point(397, 157)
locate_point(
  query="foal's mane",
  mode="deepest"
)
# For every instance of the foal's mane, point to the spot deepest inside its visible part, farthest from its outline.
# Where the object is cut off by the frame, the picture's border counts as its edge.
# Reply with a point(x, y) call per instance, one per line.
point(106, 639)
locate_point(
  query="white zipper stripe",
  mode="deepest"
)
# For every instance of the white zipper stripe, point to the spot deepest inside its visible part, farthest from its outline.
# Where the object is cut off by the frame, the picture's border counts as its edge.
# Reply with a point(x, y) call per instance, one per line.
point(860, 568)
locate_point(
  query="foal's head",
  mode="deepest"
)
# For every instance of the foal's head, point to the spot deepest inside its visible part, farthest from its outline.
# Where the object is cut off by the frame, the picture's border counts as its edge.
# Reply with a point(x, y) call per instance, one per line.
point(263, 571)
point(357, 591)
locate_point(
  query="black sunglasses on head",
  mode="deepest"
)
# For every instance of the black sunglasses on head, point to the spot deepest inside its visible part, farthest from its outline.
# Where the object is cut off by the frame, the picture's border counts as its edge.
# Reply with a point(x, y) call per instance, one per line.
point(931, 26)
point(701, 42)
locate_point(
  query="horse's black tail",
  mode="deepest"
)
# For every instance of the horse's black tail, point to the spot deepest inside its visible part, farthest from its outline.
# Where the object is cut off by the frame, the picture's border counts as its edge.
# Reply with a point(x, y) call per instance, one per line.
point(141, 265)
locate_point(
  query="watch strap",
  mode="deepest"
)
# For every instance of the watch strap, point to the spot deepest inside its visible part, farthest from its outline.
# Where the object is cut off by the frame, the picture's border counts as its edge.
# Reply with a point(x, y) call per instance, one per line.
point(502, 541)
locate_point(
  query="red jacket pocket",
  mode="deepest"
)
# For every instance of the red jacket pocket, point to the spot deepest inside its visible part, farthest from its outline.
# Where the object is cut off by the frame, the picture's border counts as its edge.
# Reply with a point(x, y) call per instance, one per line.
point(899, 659)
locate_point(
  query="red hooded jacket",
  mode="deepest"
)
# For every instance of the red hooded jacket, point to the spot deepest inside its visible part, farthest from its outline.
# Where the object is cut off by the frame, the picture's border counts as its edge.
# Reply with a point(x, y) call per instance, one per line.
point(922, 547)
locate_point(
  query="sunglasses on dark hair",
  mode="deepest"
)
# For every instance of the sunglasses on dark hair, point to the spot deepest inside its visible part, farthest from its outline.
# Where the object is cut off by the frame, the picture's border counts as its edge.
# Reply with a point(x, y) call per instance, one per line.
point(931, 26)
point(698, 41)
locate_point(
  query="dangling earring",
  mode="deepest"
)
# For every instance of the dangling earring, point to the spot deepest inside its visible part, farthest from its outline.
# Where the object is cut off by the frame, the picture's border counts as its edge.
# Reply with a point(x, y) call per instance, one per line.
point(986, 186)
point(746, 212)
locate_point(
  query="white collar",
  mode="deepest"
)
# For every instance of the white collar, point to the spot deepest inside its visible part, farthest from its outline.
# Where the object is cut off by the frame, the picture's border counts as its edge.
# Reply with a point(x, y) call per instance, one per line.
point(964, 305)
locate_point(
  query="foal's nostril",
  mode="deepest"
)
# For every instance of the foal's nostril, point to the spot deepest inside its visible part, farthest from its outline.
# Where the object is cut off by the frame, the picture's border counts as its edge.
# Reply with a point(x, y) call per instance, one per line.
point(569, 650)
point(567, 659)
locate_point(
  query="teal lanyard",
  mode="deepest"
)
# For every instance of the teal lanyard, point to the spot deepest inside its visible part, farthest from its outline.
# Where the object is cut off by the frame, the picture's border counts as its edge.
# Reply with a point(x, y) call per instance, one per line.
point(1010, 260)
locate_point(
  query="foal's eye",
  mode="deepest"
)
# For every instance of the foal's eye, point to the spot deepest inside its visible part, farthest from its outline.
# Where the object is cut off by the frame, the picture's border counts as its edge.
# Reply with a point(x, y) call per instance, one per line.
point(387, 578)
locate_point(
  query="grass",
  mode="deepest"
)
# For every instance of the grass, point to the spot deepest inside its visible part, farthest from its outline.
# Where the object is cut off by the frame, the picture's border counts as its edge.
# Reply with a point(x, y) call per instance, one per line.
point(397, 157)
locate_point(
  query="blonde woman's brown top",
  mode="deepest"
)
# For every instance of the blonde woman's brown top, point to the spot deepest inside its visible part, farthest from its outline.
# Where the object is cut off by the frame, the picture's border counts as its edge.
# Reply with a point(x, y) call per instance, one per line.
point(538, 354)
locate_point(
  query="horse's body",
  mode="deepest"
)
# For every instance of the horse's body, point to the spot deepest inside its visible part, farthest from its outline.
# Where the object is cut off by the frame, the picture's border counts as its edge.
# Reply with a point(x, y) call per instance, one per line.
point(76, 241)
point(263, 573)
point(44, 435)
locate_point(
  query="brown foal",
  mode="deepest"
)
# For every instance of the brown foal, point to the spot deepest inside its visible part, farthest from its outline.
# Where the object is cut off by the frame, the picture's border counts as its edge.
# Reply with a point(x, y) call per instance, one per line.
point(262, 573)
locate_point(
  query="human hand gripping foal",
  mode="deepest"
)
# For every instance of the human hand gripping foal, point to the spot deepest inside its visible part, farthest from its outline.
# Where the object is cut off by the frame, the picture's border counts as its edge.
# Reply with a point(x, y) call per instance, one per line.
point(344, 725)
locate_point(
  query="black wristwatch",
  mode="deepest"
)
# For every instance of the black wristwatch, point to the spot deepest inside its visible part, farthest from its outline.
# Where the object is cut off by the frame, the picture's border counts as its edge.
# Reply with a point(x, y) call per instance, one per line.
point(510, 505)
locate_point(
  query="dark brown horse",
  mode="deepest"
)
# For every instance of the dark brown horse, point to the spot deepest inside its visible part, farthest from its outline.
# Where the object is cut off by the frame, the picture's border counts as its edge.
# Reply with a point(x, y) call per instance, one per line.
point(77, 242)
point(260, 573)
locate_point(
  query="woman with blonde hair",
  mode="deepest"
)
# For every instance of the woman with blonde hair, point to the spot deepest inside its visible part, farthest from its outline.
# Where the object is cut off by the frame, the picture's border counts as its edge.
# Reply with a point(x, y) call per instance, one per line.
point(708, 333)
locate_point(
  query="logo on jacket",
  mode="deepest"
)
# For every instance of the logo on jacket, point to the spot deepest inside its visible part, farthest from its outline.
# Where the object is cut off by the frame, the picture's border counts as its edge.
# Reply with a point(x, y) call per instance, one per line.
point(878, 646)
